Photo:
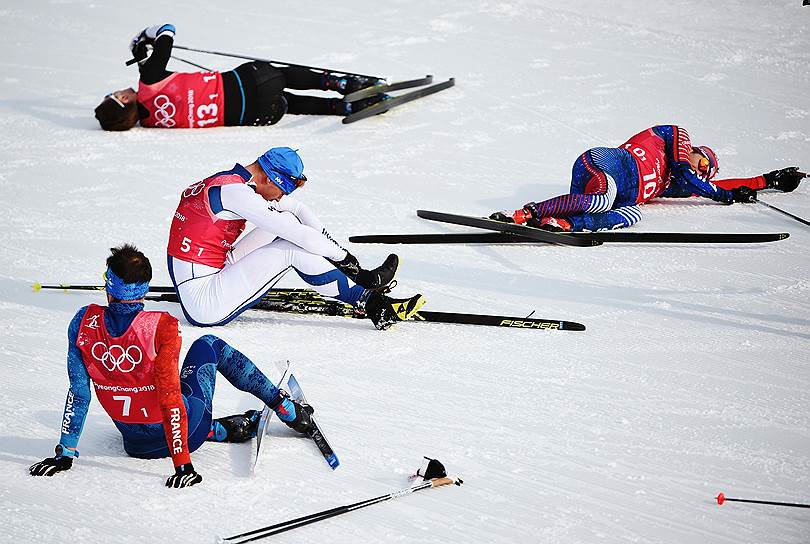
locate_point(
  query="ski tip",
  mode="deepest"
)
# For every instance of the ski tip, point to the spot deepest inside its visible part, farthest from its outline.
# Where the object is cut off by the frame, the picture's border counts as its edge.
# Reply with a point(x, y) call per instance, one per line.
point(571, 326)
point(784, 235)
point(721, 498)
point(333, 461)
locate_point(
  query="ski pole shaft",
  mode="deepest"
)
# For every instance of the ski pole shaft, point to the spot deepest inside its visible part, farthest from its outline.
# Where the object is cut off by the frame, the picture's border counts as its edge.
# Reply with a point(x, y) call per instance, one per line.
point(200, 66)
point(780, 210)
point(332, 512)
point(721, 498)
point(290, 64)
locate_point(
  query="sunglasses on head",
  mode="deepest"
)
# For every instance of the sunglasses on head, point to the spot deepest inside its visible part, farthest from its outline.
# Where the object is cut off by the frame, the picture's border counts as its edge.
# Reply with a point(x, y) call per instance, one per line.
point(115, 99)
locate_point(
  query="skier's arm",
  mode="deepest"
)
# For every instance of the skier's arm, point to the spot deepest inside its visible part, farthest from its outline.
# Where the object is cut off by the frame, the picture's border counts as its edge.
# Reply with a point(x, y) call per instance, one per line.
point(167, 384)
point(684, 180)
point(78, 396)
point(161, 38)
point(241, 200)
point(756, 183)
point(614, 219)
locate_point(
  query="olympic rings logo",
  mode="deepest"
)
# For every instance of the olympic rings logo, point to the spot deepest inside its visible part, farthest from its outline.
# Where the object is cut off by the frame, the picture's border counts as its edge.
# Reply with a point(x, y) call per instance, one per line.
point(193, 190)
point(165, 111)
point(117, 357)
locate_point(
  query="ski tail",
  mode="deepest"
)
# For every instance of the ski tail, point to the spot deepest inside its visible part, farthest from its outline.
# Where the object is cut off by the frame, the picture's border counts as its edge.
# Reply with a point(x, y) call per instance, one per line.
point(315, 432)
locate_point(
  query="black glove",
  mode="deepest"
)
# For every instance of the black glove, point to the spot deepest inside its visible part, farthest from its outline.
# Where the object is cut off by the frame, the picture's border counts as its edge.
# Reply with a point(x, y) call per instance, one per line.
point(785, 180)
point(50, 466)
point(184, 476)
point(349, 265)
point(368, 279)
point(744, 194)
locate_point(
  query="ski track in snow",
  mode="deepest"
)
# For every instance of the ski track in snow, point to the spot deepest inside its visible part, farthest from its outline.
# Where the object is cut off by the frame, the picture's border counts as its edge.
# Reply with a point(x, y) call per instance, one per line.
point(691, 379)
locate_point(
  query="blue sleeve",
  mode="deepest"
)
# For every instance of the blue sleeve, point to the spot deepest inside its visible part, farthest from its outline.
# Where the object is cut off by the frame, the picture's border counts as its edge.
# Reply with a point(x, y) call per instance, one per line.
point(684, 182)
point(667, 133)
point(614, 219)
point(78, 397)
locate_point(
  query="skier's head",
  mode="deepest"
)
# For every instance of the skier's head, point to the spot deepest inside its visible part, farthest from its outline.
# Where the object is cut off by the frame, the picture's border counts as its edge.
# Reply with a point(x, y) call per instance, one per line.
point(119, 110)
point(284, 170)
point(128, 273)
point(704, 161)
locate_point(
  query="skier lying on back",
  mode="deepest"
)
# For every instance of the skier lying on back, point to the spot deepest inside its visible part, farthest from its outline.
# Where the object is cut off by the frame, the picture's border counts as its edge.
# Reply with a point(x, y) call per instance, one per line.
point(130, 356)
point(251, 94)
point(217, 277)
point(608, 184)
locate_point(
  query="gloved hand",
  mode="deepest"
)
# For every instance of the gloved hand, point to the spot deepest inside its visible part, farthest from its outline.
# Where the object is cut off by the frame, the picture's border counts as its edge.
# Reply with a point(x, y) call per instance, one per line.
point(368, 279)
point(184, 476)
point(50, 466)
point(295, 414)
point(147, 37)
point(744, 194)
point(785, 179)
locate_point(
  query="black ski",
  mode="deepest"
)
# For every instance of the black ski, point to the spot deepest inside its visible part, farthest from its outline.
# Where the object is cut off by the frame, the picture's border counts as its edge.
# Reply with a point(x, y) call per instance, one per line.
point(608, 237)
point(385, 105)
point(307, 301)
point(490, 224)
point(314, 432)
point(498, 321)
point(387, 88)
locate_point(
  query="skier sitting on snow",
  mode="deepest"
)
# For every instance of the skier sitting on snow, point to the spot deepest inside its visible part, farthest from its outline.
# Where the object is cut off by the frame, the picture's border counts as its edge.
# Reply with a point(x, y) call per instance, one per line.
point(608, 184)
point(131, 357)
point(251, 94)
point(217, 279)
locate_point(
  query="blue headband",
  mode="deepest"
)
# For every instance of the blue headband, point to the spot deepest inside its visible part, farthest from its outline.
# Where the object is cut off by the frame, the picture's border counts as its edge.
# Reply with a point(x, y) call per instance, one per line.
point(121, 290)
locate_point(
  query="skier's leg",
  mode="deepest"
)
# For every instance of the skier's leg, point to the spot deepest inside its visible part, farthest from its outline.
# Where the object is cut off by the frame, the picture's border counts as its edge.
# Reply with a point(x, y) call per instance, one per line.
point(214, 297)
point(592, 191)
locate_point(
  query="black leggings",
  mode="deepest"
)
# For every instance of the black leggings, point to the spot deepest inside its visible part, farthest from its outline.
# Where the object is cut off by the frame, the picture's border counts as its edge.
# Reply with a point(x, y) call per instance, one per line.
point(255, 94)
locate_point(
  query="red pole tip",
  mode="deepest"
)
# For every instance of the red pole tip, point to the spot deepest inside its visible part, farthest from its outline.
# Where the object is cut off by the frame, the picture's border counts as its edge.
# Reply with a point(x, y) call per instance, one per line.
point(721, 498)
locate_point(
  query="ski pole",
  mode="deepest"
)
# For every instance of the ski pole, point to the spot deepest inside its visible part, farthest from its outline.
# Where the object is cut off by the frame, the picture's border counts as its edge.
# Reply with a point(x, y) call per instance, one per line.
point(245, 57)
point(332, 512)
point(780, 210)
point(721, 498)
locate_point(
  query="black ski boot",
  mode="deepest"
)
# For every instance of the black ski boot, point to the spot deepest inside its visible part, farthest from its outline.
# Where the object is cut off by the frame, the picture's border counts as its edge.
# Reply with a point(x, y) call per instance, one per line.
point(347, 84)
point(384, 311)
point(237, 428)
point(295, 414)
point(380, 277)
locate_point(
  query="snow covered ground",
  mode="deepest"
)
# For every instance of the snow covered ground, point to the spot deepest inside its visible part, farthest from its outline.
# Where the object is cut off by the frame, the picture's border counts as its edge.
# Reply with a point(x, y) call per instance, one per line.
point(691, 379)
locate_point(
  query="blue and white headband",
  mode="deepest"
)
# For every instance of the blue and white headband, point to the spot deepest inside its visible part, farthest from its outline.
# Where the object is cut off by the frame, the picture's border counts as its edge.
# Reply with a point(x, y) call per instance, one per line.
point(121, 290)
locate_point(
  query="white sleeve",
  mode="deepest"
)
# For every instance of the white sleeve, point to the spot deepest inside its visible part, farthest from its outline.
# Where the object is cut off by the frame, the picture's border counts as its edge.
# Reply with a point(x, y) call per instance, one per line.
point(239, 199)
point(301, 211)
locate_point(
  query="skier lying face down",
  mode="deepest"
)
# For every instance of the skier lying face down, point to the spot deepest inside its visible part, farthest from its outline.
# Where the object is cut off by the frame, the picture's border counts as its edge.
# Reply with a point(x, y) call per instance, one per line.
point(217, 277)
point(130, 357)
point(251, 94)
point(609, 184)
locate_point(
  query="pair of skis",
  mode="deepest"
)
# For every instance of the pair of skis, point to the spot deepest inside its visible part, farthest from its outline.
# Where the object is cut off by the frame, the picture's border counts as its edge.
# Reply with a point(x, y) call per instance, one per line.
point(510, 233)
point(389, 102)
point(314, 433)
point(307, 301)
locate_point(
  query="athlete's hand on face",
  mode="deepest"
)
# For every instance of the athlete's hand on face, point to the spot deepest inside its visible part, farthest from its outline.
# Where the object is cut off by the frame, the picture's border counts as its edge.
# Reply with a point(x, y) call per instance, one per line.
point(50, 466)
point(184, 476)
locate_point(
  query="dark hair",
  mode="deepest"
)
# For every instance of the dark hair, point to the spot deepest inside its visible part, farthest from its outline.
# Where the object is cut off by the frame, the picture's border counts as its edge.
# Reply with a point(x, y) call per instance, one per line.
point(111, 116)
point(129, 264)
